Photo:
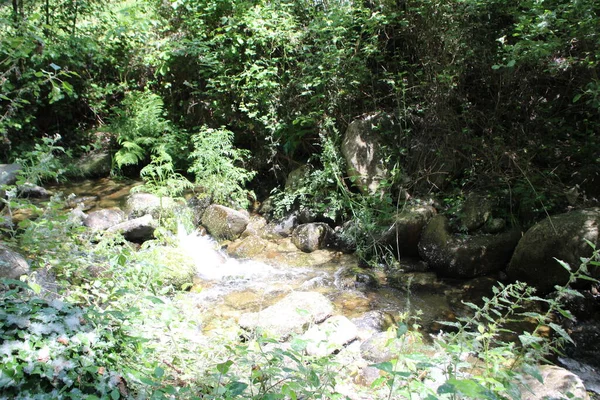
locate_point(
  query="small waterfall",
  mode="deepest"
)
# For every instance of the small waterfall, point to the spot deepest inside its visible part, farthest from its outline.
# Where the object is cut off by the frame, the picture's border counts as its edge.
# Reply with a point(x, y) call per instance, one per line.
point(213, 264)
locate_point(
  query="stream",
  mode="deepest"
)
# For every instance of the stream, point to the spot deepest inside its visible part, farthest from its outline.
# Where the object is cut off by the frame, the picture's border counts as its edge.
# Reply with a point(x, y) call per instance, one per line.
point(231, 286)
point(227, 287)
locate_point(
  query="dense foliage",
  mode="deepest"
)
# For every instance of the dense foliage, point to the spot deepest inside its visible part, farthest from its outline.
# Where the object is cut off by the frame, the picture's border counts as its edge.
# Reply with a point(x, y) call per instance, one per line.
point(231, 95)
point(499, 93)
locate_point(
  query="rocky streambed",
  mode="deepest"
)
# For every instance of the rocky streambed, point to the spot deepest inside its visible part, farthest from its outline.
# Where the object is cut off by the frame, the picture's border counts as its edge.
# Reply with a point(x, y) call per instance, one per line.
point(292, 278)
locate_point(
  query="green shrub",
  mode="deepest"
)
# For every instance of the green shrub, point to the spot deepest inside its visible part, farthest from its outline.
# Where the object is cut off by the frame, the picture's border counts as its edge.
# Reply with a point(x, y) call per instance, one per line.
point(54, 349)
point(218, 166)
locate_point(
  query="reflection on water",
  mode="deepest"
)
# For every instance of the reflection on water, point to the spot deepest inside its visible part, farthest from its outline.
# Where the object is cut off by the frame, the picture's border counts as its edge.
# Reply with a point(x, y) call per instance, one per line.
point(106, 191)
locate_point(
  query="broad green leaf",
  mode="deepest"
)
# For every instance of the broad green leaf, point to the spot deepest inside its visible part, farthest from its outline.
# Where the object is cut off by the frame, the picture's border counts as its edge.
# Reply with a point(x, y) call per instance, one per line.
point(223, 367)
point(236, 388)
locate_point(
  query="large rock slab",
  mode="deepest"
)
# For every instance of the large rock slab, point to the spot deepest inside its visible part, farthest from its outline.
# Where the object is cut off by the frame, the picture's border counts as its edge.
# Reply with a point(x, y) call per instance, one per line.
point(311, 237)
point(292, 315)
point(559, 237)
point(12, 264)
point(558, 384)
point(224, 222)
point(104, 219)
point(363, 152)
point(461, 256)
point(330, 336)
point(140, 204)
point(136, 230)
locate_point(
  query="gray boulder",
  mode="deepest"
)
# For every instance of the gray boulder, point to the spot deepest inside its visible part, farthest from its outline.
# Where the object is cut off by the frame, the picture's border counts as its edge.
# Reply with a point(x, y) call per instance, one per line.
point(292, 315)
point(224, 223)
point(384, 346)
point(140, 204)
point(285, 227)
point(311, 237)
point(373, 322)
point(404, 234)
point(295, 178)
point(95, 164)
point(476, 211)
point(104, 219)
point(461, 256)
point(559, 237)
point(363, 152)
point(8, 173)
point(558, 384)
point(136, 230)
point(31, 191)
point(12, 264)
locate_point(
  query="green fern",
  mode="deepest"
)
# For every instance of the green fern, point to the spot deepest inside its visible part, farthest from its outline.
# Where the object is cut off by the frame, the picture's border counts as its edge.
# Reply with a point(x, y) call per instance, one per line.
point(216, 166)
point(160, 177)
point(140, 127)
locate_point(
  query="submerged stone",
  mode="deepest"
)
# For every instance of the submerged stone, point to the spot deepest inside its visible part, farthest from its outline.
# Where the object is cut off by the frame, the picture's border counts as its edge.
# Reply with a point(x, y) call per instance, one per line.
point(292, 315)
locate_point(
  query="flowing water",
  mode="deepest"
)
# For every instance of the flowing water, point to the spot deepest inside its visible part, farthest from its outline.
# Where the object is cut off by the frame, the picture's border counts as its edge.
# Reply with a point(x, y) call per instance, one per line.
point(226, 287)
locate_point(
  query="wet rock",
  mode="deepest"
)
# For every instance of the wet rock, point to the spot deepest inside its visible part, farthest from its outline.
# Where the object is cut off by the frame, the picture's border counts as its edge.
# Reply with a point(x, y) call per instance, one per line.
point(476, 211)
point(224, 223)
point(464, 256)
point(256, 226)
point(292, 315)
point(266, 207)
point(586, 347)
point(355, 277)
point(384, 346)
point(285, 227)
point(12, 264)
point(373, 322)
point(250, 247)
point(8, 173)
point(140, 204)
point(404, 234)
point(589, 374)
point(558, 384)
point(344, 237)
point(31, 191)
point(198, 204)
point(104, 219)
point(8, 176)
point(330, 336)
point(137, 230)
point(296, 178)
point(95, 164)
point(416, 281)
point(77, 217)
point(559, 237)
point(363, 152)
point(311, 237)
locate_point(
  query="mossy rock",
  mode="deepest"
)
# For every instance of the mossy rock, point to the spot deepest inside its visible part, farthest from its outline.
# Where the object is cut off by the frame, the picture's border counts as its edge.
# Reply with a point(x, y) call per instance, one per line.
point(171, 266)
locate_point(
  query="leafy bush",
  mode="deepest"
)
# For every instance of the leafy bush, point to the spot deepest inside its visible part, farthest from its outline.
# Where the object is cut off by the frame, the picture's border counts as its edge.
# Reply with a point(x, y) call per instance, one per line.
point(51, 348)
point(216, 165)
